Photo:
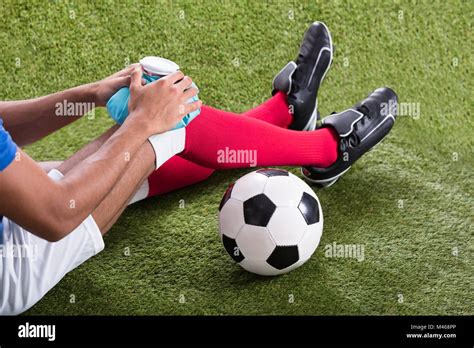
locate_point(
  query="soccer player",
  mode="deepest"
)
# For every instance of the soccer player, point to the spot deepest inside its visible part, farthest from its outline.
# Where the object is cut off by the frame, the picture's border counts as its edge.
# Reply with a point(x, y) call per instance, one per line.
point(55, 213)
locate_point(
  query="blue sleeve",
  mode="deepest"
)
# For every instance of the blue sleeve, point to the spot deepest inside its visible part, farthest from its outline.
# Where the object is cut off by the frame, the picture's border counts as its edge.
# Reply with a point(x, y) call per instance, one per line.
point(7, 148)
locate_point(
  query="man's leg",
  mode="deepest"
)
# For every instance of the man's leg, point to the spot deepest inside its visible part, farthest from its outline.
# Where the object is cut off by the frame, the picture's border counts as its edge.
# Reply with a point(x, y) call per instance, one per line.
point(112, 206)
point(174, 174)
point(275, 111)
point(116, 201)
point(223, 125)
point(85, 152)
point(141, 166)
point(179, 172)
point(223, 140)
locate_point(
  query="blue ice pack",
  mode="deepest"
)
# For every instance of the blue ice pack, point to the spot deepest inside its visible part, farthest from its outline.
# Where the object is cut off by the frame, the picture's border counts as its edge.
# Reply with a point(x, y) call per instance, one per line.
point(117, 106)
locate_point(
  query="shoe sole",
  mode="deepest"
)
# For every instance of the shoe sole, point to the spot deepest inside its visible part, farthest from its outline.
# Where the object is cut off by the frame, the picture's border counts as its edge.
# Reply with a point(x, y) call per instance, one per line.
point(326, 182)
point(311, 125)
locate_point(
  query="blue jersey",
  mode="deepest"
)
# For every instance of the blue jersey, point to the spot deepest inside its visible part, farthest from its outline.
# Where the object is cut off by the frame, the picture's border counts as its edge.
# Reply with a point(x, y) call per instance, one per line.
point(7, 154)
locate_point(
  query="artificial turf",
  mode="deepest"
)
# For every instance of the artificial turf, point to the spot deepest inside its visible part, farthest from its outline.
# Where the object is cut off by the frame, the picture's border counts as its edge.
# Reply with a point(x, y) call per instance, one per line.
point(408, 202)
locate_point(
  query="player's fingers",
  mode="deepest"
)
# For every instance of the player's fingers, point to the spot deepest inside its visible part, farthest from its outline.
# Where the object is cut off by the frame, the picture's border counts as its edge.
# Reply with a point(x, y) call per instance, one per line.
point(188, 108)
point(173, 77)
point(124, 81)
point(191, 92)
point(126, 71)
point(184, 83)
point(136, 79)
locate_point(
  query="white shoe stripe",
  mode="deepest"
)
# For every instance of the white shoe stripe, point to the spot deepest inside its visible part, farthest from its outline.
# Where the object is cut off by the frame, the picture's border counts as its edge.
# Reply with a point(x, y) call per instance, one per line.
point(373, 130)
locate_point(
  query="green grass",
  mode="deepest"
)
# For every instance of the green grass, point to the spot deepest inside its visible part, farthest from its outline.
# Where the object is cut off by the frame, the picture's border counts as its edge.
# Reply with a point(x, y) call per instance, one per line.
point(412, 47)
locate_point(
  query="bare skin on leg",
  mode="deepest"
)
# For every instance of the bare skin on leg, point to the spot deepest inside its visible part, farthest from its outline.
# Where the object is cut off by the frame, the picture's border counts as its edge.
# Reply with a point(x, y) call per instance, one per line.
point(140, 167)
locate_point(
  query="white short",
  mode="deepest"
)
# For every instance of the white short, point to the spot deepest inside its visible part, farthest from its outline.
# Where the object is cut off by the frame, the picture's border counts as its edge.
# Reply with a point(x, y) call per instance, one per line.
point(31, 266)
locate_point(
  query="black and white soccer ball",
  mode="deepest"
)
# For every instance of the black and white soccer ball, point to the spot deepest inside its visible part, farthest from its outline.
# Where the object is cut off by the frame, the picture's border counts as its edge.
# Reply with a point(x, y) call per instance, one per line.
point(270, 221)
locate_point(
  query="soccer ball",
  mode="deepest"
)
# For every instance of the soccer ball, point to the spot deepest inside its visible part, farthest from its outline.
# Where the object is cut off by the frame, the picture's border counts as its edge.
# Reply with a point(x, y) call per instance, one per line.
point(270, 221)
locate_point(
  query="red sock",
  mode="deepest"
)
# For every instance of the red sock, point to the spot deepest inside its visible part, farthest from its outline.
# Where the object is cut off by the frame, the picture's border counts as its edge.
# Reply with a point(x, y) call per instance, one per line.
point(174, 174)
point(274, 111)
point(222, 140)
point(179, 172)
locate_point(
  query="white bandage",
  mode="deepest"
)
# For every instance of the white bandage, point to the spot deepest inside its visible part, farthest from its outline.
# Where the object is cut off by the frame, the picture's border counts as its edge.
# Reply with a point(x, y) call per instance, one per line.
point(168, 144)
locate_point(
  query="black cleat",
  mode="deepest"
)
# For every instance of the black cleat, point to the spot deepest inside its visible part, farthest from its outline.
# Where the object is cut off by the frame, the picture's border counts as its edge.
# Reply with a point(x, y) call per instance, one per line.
point(360, 129)
point(301, 79)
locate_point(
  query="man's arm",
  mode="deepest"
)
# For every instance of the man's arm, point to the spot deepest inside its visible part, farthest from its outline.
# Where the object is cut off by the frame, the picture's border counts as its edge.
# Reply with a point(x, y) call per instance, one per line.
point(52, 209)
point(30, 120)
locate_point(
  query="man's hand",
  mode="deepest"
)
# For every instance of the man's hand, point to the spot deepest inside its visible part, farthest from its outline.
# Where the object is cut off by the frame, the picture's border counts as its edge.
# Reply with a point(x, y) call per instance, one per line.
point(106, 88)
point(158, 106)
